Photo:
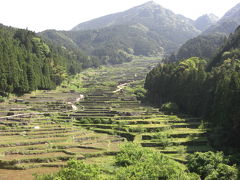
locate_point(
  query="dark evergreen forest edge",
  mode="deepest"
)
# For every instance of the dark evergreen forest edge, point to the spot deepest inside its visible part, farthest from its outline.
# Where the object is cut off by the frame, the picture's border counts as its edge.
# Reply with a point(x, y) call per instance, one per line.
point(208, 89)
point(29, 63)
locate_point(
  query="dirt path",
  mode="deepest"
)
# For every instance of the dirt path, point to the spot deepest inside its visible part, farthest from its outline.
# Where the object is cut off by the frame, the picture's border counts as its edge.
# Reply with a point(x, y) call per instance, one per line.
point(120, 87)
point(74, 107)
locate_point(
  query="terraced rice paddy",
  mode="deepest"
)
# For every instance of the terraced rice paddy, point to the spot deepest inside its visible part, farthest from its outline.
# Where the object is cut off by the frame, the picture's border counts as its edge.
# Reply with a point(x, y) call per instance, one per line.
point(34, 135)
point(45, 129)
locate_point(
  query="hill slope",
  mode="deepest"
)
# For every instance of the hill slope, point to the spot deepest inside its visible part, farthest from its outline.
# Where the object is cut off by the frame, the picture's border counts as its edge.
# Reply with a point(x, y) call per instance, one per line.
point(148, 29)
point(230, 50)
point(27, 62)
point(211, 90)
point(208, 43)
point(205, 21)
point(228, 23)
point(149, 14)
point(203, 46)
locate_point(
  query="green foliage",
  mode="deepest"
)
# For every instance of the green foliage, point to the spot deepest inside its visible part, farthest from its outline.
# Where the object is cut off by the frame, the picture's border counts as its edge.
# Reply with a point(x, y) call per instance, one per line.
point(138, 129)
point(93, 120)
point(103, 49)
point(163, 138)
point(28, 63)
point(130, 154)
point(229, 50)
point(178, 83)
point(203, 46)
point(223, 172)
point(75, 170)
point(213, 95)
point(2, 99)
point(211, 165)
point(142, 163)
point(140, 93)
point(132, 162)
point(169, 107)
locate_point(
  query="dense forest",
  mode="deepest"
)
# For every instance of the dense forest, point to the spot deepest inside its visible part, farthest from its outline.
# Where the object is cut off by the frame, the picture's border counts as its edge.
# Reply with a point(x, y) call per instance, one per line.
point(209, 90)
point(28, 63)
point(204, 46)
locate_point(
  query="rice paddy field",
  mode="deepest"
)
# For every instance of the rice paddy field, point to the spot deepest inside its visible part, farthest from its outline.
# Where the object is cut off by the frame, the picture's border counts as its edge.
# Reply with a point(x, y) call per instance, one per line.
point(87, 118)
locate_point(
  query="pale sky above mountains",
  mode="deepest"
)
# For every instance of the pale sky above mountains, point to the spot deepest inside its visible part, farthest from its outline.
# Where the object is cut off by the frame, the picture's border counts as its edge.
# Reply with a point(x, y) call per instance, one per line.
point(39, 15)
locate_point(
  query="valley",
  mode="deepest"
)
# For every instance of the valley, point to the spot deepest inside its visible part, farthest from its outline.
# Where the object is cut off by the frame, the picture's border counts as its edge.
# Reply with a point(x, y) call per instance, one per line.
point(144, 93)
point(42, 130)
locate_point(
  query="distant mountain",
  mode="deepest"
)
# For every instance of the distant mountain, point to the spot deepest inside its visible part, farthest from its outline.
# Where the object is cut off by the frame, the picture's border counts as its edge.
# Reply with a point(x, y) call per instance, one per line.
point(58, 37)
point(201, 46)
point(148, 30)
point(209, 41)
point(228, 23)
point(232, 15)
point(149, 14)
point(205, 21)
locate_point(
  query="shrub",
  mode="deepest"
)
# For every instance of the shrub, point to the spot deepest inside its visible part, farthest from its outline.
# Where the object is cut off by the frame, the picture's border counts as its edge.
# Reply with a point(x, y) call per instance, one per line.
point(2, 99)
point(169, 107)
point(106, 120)
point(96, 120)
point(84, 121)
point(211, 165)
point(143, 163)
point(140, 93)
point(130, 154)
point(75, 170)
point(163, 138)
point(223, 172)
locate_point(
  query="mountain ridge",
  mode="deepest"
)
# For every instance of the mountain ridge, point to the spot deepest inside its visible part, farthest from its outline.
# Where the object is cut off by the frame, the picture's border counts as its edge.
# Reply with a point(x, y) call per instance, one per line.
point(210, 40)
point(227, 24)
point(148, 29)
point(205, 21)
point(126, 17)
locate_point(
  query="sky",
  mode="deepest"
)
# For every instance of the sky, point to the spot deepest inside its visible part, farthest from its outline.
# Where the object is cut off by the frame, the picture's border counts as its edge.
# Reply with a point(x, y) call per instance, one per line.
point(39, 15)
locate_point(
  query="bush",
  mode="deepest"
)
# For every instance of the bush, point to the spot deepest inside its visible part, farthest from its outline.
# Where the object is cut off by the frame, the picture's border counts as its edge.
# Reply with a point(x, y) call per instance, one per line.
point(143, 163)
point(223, 172)
point(106, 121)
point(163, 138)
point(211, 165)
point(75, 170)
point(140, 93)
point(169, 107)
point(2, 99)
point(133, 162)
point(96, 120)
point(130, 154)
point(84, 120)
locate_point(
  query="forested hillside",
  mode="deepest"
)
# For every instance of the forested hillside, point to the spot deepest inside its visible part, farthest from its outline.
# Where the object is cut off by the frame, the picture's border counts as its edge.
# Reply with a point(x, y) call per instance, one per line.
point(229, 51)
point(211, 39)
point(148, 30)
point(203, 46)
point(28, 63)
point(196, 90)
